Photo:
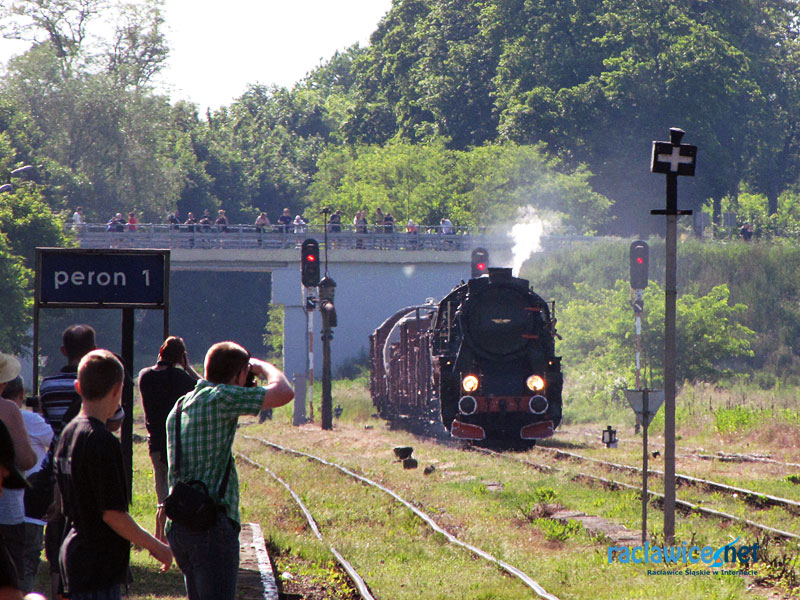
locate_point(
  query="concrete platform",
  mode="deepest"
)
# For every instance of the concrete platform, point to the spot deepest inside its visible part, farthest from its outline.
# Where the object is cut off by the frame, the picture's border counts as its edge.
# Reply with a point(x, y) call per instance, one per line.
point(256, 574)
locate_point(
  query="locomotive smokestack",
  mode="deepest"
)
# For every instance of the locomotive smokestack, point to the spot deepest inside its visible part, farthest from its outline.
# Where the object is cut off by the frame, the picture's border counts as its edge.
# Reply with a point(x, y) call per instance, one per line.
point(500, 273)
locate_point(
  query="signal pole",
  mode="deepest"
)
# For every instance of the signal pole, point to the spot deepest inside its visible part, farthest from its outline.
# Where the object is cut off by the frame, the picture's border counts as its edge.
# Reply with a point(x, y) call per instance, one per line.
point(327, 289)
point(673, 159)
point(309, 275)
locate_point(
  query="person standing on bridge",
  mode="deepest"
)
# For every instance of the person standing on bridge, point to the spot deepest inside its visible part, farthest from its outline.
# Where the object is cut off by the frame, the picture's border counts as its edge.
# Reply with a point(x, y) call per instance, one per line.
point(262, 222)
point(285, 220)
point(174, 220)
point(207, 418)
point(360, 226)
point(77, 219)
point(132, 221)
point(222, 221)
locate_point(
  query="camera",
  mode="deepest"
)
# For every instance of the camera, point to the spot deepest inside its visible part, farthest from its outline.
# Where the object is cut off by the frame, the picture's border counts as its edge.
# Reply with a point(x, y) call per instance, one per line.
point(251, 379)
point(32, 402)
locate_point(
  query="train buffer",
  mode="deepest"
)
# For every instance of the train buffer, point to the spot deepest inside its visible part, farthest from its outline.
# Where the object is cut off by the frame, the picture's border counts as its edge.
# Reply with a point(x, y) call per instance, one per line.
point(256, 574)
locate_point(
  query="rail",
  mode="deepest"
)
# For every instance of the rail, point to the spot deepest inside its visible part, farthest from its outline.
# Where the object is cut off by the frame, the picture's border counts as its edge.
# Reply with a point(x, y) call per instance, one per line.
point(152, 235)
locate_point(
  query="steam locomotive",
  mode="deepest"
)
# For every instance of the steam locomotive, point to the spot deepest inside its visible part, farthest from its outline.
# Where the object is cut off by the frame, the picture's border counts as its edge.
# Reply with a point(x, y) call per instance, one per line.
point(482, 361)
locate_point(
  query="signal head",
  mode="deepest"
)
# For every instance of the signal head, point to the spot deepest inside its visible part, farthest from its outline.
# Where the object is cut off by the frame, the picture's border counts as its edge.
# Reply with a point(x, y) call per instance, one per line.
point(309, 263)
point(480, 262)
point(640, 258)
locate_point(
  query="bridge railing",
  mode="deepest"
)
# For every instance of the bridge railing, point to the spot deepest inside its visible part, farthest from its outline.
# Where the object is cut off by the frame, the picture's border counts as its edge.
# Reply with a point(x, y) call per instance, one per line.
point(153, 235)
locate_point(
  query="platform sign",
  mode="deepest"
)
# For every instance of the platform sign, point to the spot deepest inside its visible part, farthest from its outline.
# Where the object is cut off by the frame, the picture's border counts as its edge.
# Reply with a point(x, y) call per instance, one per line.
point(101, 278)
point(636, 398)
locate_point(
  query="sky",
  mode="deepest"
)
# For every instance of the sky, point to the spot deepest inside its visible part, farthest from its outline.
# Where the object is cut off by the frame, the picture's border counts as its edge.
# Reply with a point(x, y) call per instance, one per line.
point(216, 52)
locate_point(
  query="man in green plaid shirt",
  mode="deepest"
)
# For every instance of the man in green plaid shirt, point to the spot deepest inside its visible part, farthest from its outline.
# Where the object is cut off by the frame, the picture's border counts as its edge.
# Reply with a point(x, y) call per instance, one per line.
point(209, 559)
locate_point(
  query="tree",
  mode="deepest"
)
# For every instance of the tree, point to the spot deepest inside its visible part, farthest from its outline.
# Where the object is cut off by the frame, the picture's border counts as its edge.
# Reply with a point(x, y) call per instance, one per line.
point(597, 329)
point(15, 318)
point(481, 186)
point(61, 24)
point(138, 49)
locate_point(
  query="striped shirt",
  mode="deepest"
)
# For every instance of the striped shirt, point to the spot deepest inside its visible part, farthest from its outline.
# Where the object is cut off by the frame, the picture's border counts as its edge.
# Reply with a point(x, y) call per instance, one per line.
point(208, 424)
point(56, 395)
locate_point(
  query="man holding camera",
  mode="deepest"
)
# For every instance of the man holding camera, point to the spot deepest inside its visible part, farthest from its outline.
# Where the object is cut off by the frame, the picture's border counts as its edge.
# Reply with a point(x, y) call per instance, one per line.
point(209, 414)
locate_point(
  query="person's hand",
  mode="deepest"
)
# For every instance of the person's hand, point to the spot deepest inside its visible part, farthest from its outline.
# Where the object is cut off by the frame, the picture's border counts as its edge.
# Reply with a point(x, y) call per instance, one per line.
point(163, 554)
point(259, 368)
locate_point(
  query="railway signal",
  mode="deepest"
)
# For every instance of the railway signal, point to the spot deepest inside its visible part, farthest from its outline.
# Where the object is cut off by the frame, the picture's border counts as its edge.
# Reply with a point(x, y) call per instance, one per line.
point(309, 263)
point(480, 262)
point(640, 261)
point(673, 159)
point(327, 290)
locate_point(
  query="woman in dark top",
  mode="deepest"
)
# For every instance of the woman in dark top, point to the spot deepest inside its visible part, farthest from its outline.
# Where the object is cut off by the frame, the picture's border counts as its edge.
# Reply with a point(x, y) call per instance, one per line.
point(160, 387)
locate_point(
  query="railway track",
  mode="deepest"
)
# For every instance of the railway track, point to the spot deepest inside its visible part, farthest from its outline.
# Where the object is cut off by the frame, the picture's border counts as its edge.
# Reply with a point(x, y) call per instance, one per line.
point(701, 454)
point(355, 578)
point(614, 484)
point(751, 497)
point(427, 519)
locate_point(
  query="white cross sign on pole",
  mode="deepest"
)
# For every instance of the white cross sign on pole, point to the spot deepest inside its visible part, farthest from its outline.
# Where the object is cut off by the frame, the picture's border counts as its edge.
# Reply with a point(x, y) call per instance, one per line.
point(678, 159)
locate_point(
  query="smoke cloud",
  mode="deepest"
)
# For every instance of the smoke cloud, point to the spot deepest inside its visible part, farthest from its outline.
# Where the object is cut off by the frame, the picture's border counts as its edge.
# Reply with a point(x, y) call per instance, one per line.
point(527, 235)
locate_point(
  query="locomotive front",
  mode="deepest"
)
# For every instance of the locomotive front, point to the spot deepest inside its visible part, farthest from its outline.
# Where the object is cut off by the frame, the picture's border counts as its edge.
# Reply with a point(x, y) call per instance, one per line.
point(496, 369)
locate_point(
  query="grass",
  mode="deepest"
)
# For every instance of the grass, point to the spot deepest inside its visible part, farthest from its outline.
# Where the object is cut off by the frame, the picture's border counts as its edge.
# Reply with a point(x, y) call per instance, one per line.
point(569, 563)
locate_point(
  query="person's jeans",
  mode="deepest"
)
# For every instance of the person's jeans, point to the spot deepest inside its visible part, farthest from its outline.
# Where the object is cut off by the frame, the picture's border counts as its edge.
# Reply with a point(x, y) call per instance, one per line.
point(34, 536)
point(209, 560)
point(112, 593)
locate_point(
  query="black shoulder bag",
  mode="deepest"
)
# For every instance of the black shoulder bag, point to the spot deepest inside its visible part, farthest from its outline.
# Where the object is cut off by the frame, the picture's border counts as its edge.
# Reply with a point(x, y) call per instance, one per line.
point(189, 503)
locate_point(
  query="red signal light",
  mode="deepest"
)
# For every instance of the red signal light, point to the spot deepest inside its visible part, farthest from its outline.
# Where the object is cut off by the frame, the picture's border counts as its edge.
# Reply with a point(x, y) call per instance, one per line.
point(640, 255)
point(311, 258)
point(481, 266)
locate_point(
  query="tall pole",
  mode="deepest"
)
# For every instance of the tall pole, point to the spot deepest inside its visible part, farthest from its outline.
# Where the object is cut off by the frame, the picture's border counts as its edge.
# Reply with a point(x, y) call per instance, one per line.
point(645, 424)
point(327, 288)
point(126, 435)
point(310, 319)
point(327, 398)
point(671, 293)
point(673, 159)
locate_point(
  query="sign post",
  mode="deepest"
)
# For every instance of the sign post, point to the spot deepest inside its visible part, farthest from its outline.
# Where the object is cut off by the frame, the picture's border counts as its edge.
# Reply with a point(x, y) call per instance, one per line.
point(645, 403)
point(89, 278)
point(673, 159)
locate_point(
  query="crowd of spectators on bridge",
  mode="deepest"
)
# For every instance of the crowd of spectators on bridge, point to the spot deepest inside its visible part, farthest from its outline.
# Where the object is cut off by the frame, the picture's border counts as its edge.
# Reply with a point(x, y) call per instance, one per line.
point(363, 222)
point(285, 223)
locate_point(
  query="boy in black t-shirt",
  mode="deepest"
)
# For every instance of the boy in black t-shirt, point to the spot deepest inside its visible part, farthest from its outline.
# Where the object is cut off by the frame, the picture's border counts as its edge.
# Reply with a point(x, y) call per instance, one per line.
point(94, 554)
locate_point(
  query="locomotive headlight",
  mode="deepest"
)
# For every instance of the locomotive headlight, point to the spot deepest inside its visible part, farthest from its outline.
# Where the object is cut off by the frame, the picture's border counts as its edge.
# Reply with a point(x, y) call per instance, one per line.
point(535, 383)
point(469, 383)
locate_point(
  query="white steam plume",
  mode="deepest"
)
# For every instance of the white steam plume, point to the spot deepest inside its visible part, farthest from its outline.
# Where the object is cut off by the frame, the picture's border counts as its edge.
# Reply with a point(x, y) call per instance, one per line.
point(527, 234)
